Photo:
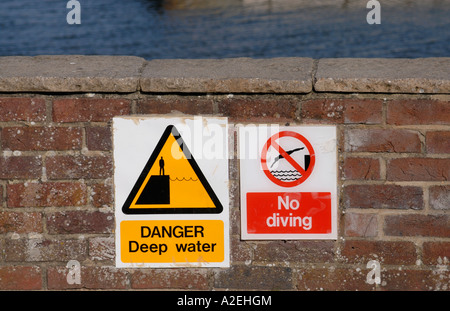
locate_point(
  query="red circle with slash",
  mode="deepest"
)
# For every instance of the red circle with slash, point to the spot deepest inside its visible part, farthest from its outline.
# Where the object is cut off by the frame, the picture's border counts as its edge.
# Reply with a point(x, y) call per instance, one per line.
point(305, 173)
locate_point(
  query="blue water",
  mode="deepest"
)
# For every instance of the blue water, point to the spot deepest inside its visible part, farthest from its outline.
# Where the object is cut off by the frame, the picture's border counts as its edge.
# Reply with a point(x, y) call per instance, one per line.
point(234, 28)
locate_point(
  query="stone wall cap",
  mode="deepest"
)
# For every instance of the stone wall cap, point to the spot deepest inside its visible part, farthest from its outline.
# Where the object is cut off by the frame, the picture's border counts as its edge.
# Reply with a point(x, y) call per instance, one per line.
point(230, 75)
point(383, 75)
point(70, 73)
point(294, 75)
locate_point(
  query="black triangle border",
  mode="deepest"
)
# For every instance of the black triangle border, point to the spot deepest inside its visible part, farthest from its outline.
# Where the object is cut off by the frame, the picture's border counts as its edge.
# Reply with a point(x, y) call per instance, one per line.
point(171, 129)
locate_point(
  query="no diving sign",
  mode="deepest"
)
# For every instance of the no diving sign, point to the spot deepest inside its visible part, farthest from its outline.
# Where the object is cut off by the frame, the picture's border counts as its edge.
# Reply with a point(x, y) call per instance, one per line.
point(288, 182)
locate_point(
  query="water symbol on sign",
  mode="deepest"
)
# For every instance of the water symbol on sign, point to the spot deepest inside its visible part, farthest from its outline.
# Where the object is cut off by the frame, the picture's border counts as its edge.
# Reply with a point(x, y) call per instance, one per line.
point(288, 174)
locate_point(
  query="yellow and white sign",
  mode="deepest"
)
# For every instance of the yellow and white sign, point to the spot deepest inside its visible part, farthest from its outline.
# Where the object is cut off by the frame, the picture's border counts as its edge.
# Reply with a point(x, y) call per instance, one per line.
point(171, 190)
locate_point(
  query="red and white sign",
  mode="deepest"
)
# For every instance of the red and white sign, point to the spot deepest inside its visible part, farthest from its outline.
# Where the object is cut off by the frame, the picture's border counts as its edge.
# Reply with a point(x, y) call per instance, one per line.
point(289, 190)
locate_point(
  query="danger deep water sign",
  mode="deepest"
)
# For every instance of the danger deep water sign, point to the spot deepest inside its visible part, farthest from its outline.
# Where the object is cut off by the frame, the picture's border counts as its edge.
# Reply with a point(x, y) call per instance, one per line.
point(171, 190)
point(288, 182)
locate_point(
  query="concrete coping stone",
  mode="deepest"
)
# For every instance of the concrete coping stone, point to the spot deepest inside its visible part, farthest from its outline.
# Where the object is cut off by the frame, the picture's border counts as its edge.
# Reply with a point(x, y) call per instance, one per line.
point(383, 75)
point(290, 75)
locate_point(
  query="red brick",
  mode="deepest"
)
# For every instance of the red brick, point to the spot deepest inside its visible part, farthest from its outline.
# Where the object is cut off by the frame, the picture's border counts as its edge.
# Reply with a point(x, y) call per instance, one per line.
point(417, 225)
point(418, 169)
point(259, 110)
point(403, 112)
point(20, 167)
point(99, 138)
point(46, 194)
point(170, 279)
point(188, 105)
point(90, 278)
point(22, 109)
point(298, 251)
point(382, 140)
point(360, 225)
point(361, 169)
point(440, 197)
point(342, 111)
point(436, 253)
point(414, 280)
point(386, 252)
point(333, 279)
point(101, 248)
point(89, 109)
point(79, 166)
point(102, 195)
point(254, 278)
point(240, 252)
point(45, 250)
point(41, 138)
point(72, 222)
point(25, 222)
point(438, 142)
point(383, 196)
point(20, 278)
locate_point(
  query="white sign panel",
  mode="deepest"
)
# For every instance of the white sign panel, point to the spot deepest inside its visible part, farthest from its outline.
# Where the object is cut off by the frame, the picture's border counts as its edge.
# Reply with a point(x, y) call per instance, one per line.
point(171, 191)
point(288, 180)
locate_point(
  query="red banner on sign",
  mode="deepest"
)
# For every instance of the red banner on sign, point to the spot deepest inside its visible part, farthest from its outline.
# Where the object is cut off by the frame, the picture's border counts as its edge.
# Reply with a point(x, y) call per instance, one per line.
point(289, 212)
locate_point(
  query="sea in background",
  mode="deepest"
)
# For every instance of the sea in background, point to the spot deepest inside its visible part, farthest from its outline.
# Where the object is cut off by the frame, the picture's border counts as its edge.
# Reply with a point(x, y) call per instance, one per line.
point(159, 29)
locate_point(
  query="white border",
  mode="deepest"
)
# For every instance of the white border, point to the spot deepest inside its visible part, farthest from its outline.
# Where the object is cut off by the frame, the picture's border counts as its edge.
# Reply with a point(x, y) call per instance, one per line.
point(134, 139)
point(322, 179)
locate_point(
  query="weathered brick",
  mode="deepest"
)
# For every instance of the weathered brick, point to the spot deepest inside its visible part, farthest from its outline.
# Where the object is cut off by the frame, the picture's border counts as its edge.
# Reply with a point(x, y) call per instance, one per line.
point(298, 251)
point(20, 278)
point(102, 195)
point(170, 279)
point(333, 279)
point(346, 111)
point(240, 252)
point(99, 138)
point(72, 222)
point(361, 169)
point(188, 105)
point(101, 248)
point(440, 197)
point(417, 225)
point(438, 142)
point(79, 166)
point(383, 196)
point(89, 109)
point(418, 169)
point(414, 280)
point(41, 138)
point(22, 109)
point(90, 278)
point(254, 277)
point(45, 250)
point(20, 222)
point(360, 225)
point(386, 252)
point(20, 167)
point(403, 112)
point(259, 110)
point(382, 140)
point(436, 253)
point(46, 194)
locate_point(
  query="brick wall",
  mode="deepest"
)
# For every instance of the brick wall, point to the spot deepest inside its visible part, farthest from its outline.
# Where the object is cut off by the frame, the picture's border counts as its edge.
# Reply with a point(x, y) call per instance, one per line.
point(56, 169)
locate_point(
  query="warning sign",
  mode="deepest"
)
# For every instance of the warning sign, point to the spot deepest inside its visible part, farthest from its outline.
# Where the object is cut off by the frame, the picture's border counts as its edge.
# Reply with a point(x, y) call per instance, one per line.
point(171, 182)
point(288, 191)
point(171, 190)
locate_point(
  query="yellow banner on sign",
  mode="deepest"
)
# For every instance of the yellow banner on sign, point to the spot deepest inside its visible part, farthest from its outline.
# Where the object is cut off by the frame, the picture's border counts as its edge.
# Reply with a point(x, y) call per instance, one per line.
point(172, 241)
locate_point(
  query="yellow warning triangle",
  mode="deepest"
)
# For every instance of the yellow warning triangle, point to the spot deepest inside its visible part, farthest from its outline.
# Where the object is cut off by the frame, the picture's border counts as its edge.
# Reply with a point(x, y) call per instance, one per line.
point(171, 182)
